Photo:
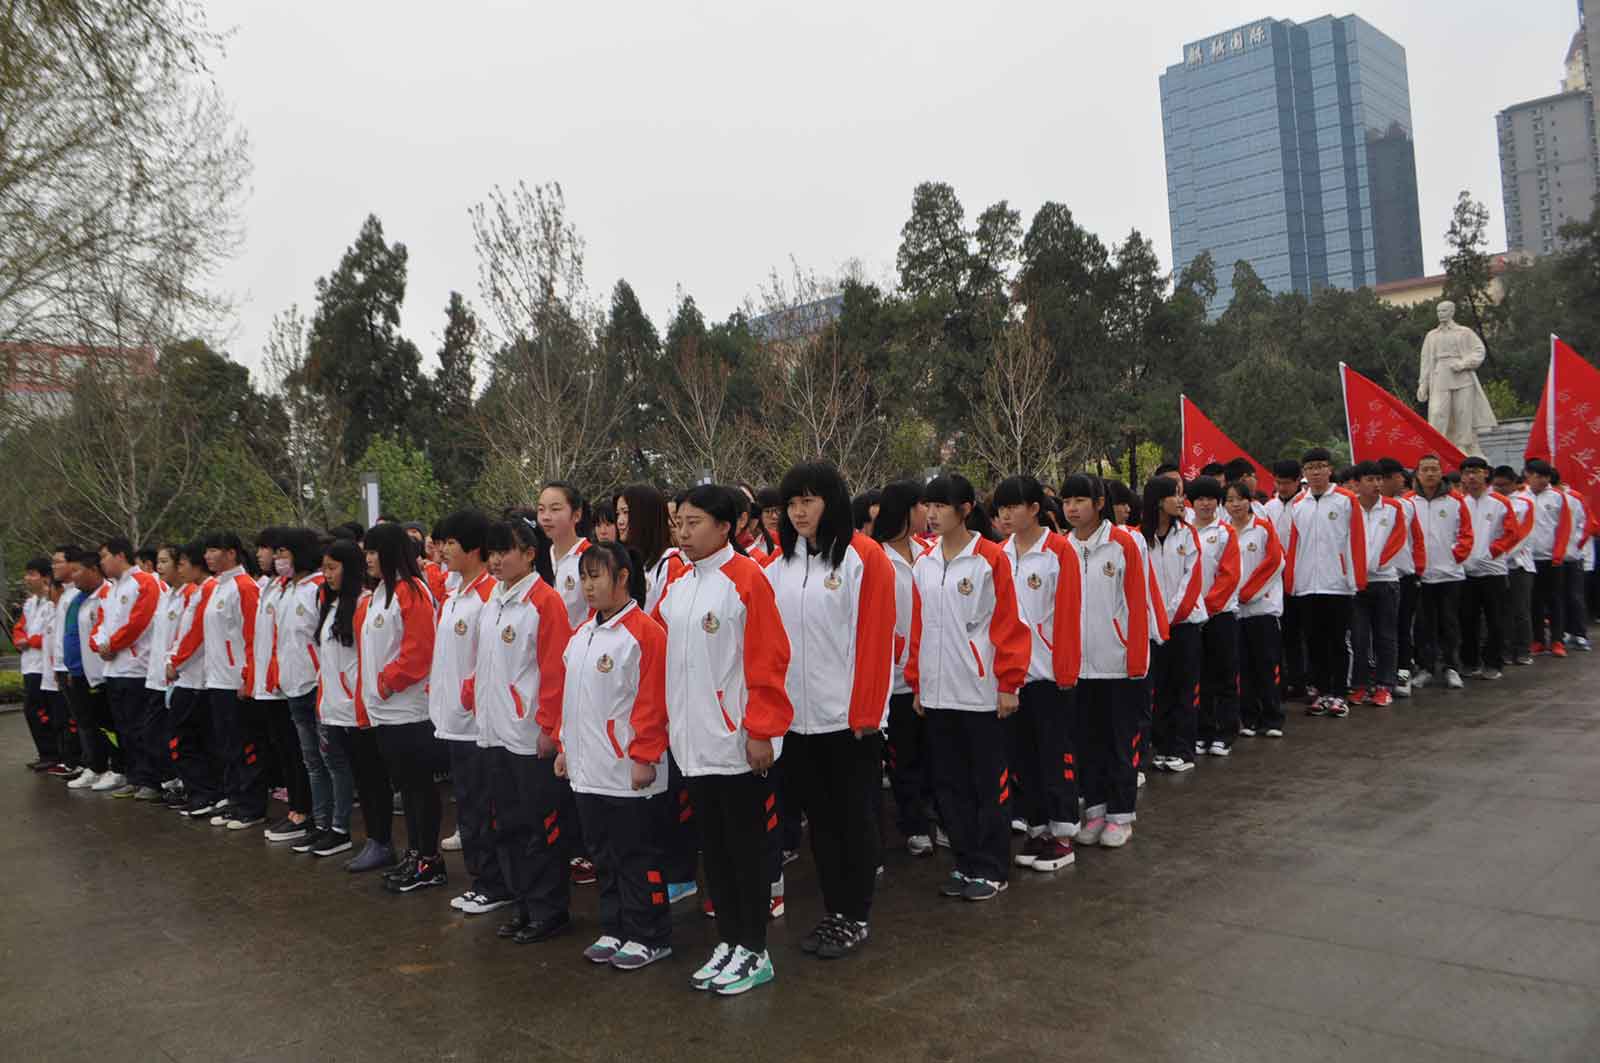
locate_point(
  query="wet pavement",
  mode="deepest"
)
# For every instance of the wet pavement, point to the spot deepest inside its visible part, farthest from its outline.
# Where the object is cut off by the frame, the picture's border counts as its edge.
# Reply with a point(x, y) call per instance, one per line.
point(1413, 883)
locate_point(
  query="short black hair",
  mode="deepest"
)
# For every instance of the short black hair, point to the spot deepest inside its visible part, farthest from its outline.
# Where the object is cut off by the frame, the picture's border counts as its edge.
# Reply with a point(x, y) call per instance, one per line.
point(119, 544)
point(1504, 471)
point(1212, 469)
point(40, 565)
point(1430, 457)
point(1019, 491)
point(1390, 466)
point(1164, 468)
point(1286, 469)
point(1204, 487)
point(1364, 469)
point(835, 528)
point(1346, 472)
point(469, 527)
point(1239, 468)
point(148, 553)
point(88, 559)
point(1316, 454)
point(304, 545)
point(1474, 462)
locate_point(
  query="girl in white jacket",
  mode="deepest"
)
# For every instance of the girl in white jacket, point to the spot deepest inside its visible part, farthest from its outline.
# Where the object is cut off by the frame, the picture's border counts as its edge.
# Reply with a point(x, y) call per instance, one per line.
point(612, 731)
point(1174, 548)
point(349, 741)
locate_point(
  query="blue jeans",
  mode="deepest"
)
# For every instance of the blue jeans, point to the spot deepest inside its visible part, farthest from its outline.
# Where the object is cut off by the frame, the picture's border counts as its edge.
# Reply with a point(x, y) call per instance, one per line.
point(303, 711)
point(341, 778)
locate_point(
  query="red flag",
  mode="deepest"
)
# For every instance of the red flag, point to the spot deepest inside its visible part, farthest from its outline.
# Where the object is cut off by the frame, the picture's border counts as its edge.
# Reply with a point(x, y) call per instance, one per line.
point(1566, 429)
point(1204, 443)
point(1381, 426)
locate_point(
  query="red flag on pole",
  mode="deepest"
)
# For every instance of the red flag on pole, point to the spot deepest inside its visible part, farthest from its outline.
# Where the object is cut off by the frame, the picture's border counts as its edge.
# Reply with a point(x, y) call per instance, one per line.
point(1381, 426)
point(1204, 443)
point(1566, 429)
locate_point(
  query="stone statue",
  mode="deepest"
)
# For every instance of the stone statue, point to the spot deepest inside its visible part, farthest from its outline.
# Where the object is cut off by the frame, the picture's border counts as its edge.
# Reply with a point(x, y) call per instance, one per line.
point(1457, 406)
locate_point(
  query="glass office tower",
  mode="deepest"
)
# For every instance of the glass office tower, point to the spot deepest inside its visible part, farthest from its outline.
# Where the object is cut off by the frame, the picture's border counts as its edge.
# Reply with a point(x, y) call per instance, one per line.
point(1289, 145)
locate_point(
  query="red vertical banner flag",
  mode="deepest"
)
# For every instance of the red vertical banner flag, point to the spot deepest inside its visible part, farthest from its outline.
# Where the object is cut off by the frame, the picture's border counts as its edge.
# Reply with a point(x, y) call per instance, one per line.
point(1204, 443)
point(1566, 429)
point(1382, 426)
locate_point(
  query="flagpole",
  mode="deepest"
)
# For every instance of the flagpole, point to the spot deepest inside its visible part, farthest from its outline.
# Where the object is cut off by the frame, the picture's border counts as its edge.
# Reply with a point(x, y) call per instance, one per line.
point(1550, 401)
point(1183, 430)
point(1344, 395)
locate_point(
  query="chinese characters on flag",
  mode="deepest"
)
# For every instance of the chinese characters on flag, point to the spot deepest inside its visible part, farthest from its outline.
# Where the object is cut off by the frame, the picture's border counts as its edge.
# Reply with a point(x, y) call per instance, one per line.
point(1381, 426)
point(1204, 443)
point(1566, 429)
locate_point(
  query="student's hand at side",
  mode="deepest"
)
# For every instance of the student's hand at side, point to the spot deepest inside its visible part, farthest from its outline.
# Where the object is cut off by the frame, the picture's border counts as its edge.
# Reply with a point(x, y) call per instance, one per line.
point(547, 746)
point(916, 703)
point(383, 689)
point(561, 766)
point(172, 674)
point(758, 752)
point(1007, 705)
point(644, 775)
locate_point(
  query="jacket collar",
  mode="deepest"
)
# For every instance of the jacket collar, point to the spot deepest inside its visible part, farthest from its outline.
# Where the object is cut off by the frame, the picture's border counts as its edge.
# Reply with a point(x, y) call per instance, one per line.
point(519, 589)
point(616, 617)
point(712, 562)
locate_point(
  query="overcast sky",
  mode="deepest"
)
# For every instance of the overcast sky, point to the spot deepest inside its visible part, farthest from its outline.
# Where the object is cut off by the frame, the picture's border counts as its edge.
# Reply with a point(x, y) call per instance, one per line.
point(702, 144)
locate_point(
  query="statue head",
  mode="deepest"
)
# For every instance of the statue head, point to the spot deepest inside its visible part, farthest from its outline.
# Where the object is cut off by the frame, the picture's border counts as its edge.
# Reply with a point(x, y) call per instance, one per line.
point(1447, 312)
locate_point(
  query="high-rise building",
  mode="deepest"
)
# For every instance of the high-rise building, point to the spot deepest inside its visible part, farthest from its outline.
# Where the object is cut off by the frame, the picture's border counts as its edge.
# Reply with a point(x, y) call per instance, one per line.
point(1289, 146)
point(1549, 157)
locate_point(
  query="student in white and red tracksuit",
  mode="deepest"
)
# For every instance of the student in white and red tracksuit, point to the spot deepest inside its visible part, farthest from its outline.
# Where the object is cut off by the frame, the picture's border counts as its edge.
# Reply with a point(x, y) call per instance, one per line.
point(835, 591)
point(463, 539)
point(123, 638)
point(349, 741)
point(1107, 661)
point(157, 688)
point(515, 692)
point(1551, 538)
point(193, 744)
point(1575, 615)
point(1260, 606)
point(1519, 568)
point(28, 637)
point(271, 701)
point(563, 515)
point(394, 641)
point(1374, 638)
point(1287, 476)
point(1326, 568)
point(1220, 564)
point(230, 629)
point(1173, 546)
point(298, 552)
point(1485, 596)
point(969, 656)
point(1441, 541)
point(1039, 560)
point(612, 730)
point(727, 712)
point(644, 524)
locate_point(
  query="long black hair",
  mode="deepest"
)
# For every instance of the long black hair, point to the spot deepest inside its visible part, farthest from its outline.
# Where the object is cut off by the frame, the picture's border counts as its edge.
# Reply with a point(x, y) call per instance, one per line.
point(894, 510)
point(229, 540)
point(614, 558)
point(955, 490)
point(1090, 486)
point(397, 556)
point(721, 504)
point(575, 499)
point(836, 528)
point(649, 526)
point(303, 545)
point(521, 531)
point(1157, 490)
point(352, 581)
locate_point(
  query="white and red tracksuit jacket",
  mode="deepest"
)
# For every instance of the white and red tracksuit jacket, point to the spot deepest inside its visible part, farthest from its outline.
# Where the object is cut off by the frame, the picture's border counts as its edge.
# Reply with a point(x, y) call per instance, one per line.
point(1261, 585)
point(668, 567)
point(338, 675)
point(727, 664)
point(394, 639)
point(295, 655)
point(1521, 555)
point(569, 582)
point(902, 615)
point(1496, 532)
point(1552, 524)
point(1180, 574)
point(968, 645)
point(1159, 629)
point(1035, 574)
point(1103, 596)
point(28, 634)
point(613, 707)
point(163, 637)
point(89, 615)
point(1582, 525)
point(264, 643)
point(1441, 536)
point(1278, 510)
point(455, 655)
point(1327, 551)
point(230, 631)
point(188, 651)
point(840, 623)
point(123, 627)
point(1219, 565)
point(1387, 536)
point(515, 686)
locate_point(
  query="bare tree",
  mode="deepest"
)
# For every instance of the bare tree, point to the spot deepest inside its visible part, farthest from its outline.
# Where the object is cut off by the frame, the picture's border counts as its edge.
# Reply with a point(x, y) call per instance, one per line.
point(1014, 428)
point(313, 448)
point(554, 400)
point(700, 435)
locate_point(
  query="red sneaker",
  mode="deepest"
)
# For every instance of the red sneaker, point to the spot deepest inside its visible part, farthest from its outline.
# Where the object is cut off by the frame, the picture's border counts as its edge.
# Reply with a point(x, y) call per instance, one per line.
point(1382, 698)
point(705, 906)
point(1360, 697)
point(1536, 648)
point(583, 872)
point(1558, 650)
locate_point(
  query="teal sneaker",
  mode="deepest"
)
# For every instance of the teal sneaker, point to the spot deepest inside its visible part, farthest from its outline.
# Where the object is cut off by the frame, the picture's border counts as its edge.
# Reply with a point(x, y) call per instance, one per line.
point(744, 972)
point(701, 979)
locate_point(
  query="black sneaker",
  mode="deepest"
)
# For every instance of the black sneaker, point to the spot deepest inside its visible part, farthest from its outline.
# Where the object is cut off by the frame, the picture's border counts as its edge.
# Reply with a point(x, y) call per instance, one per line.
point(405, 869)
point(331, 843)
point(306, 844)
point(425, 872)
point(847, 936)
point(535, 931)
point(812, 942)
point(287, 830)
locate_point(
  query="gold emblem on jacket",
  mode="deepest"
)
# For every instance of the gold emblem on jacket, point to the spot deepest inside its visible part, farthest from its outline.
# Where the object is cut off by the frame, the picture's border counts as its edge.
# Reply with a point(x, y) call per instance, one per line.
point(1333, 516)
point(1110, 569)
point(1034, 582)
point(833, 582)
point(1251, 548)
point(603, 665)
point(964, 588)
point(377, 621)
point(710, 624)
point(571, 583)
point(299, 610)
point(172, 614)
point(461, 627)
point(509, 635)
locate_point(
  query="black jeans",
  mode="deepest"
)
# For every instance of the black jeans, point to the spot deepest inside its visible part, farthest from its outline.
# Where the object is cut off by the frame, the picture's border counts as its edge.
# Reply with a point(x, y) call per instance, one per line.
point(1260, 642)
point(1327, 622)
point(69, 749)
point(682, 839)
point(1438, 626)
point(92, 719)
point(1175, 677)
point(529, 806)
point(285, 739)
point(1483, 621)
point(241, 739)
point(36, 707)
point(1519, 631)
point(1576, 615)
point(157, 729)
point(910, 767)
point(736, 814)
point(1549, 602)
point(125, 698)
point(1374, 645)
point(471, 779)
point(973, 786)
point(1045, 750)
point(839, 777)
point(360, 745)
point(1109, 745)
point(624, 838)
point(192, 747)
point(1293, 653)
point(1404, 625)
point(412, 754)
point(1219, 679)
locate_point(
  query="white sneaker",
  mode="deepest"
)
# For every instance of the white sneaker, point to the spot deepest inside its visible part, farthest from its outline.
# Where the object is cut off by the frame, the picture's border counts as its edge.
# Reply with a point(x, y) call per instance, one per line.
point(85, 779)
point(1116, 835)
point(1199, 749)
point(1274, 732)
point(1220, 749)
point(111, 780)
point(1019, 826)
point(1452, 679)
point(1141, 778)
point(452, 844)
point(1418, 681)
point(1177, 765)
point(701, 979)
point(1247, 732)
point(940, 838)
point(919, 845)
